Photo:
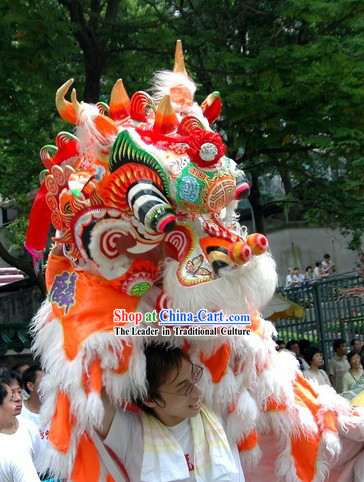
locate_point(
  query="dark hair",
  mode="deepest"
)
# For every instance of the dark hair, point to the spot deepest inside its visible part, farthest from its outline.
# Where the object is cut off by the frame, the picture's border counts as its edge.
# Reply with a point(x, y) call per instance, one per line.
point(4, 375)
point(310, 353)
point(161, 359)
point(30, 375)
point(317, 263)
point(290, 343)
point(327, 255)
point(16, 377)
point(351, 354)
point(353, 341)
point(3, 392)
point(337, 343)
point(296, 267)
point(308, 267)
point(280, 342)
point(304, 344)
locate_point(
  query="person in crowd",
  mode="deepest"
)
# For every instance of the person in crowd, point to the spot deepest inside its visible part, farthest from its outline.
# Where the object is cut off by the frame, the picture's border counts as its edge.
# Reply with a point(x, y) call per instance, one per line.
point(352, 376)
point(289, 278)
point(297, 278)
point(304, 345)
point(16, 464)
point(280, 345)
point(308, 274)
point(339, 364)
point(318, 272)
point(172, 418)
point(294, 348)
point(327, 265)
point(356, 345)
point(31, 407)
point(21, 367)
point(23, 431)
point(314, 359)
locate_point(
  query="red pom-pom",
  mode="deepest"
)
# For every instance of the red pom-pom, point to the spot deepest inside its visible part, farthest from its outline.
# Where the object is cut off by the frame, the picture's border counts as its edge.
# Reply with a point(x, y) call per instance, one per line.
point(205, 148)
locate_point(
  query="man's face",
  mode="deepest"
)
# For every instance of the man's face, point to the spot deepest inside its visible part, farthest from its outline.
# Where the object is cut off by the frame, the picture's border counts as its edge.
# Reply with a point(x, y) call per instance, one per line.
point(295, 349)
point(357, 346)
point(7, 408)
point(175, 406)
point(296, 271)
point(17, 395)
point(342, 350)
point(34, 387)
point(23, 368)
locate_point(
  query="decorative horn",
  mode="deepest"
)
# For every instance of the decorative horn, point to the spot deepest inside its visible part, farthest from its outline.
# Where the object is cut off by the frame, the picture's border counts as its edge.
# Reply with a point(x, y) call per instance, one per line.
point(119, 102)
point(165, 118)
point(179, 61)
point(75, 103)
point(66, 109)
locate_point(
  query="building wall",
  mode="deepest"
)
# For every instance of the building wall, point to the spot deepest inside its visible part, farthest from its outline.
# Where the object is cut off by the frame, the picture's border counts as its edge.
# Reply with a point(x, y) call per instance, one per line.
point(303, 246)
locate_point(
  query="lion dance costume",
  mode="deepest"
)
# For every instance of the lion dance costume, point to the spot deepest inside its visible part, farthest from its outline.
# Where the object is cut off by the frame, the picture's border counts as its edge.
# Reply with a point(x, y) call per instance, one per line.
point(142, 198)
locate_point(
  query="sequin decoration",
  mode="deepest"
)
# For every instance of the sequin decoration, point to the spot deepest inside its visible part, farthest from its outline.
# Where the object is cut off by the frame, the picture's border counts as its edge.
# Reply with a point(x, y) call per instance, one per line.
point(189, 189)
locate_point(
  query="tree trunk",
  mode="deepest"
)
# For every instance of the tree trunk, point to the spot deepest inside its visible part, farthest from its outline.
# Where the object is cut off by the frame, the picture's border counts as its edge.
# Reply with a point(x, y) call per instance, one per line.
point(94, 68)
point(23, 266)
point(294, 210)
point(254, 199)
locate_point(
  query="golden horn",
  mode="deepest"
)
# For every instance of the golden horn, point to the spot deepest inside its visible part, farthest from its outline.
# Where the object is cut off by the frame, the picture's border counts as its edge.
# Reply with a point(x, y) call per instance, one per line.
point(75, 103)
point(66, 109)
point(179, 61)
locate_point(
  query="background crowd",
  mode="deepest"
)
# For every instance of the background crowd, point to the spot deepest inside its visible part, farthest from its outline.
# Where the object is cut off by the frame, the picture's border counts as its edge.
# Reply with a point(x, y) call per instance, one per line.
point(345, 369)
point(321, 270)
point(23, 436)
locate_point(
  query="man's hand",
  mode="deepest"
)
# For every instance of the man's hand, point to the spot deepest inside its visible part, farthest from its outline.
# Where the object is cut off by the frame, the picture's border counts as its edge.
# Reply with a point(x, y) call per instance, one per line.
point(109, 415)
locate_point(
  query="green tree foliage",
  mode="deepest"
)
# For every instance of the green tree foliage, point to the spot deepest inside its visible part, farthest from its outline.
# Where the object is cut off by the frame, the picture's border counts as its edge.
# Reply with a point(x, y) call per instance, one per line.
point(290, 73)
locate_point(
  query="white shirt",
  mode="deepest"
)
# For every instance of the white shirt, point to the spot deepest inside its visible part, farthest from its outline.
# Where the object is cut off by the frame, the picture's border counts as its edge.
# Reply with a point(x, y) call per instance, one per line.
point(337, 368)
point(27, 436)
point(320, 376)
point(125, 438)
point(42, 430)
point(16, 464)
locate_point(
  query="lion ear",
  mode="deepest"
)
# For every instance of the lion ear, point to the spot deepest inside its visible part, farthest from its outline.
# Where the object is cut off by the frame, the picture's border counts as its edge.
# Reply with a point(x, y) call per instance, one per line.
point(212, 106)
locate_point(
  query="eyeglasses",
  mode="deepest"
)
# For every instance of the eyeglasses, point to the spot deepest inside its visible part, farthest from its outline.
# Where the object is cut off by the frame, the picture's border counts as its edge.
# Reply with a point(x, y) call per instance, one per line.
point(196, 375)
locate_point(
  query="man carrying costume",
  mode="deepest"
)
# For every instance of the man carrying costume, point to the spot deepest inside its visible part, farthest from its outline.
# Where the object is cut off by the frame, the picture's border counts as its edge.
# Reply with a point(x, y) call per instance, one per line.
point(143, 200)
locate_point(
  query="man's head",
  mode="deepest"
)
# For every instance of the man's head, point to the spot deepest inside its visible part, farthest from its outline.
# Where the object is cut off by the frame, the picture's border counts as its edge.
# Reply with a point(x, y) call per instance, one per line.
point(309, 269)
point(318, 264)
point(13, 380)
point(296, 270)
point(7, 406)
point(280, 345)
point(293, 346)
point(21, 367)
point(173, 392)
point(313, 357)
point(356, 345)
point(340, 347)
point(31, 381)
point(327, 257)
